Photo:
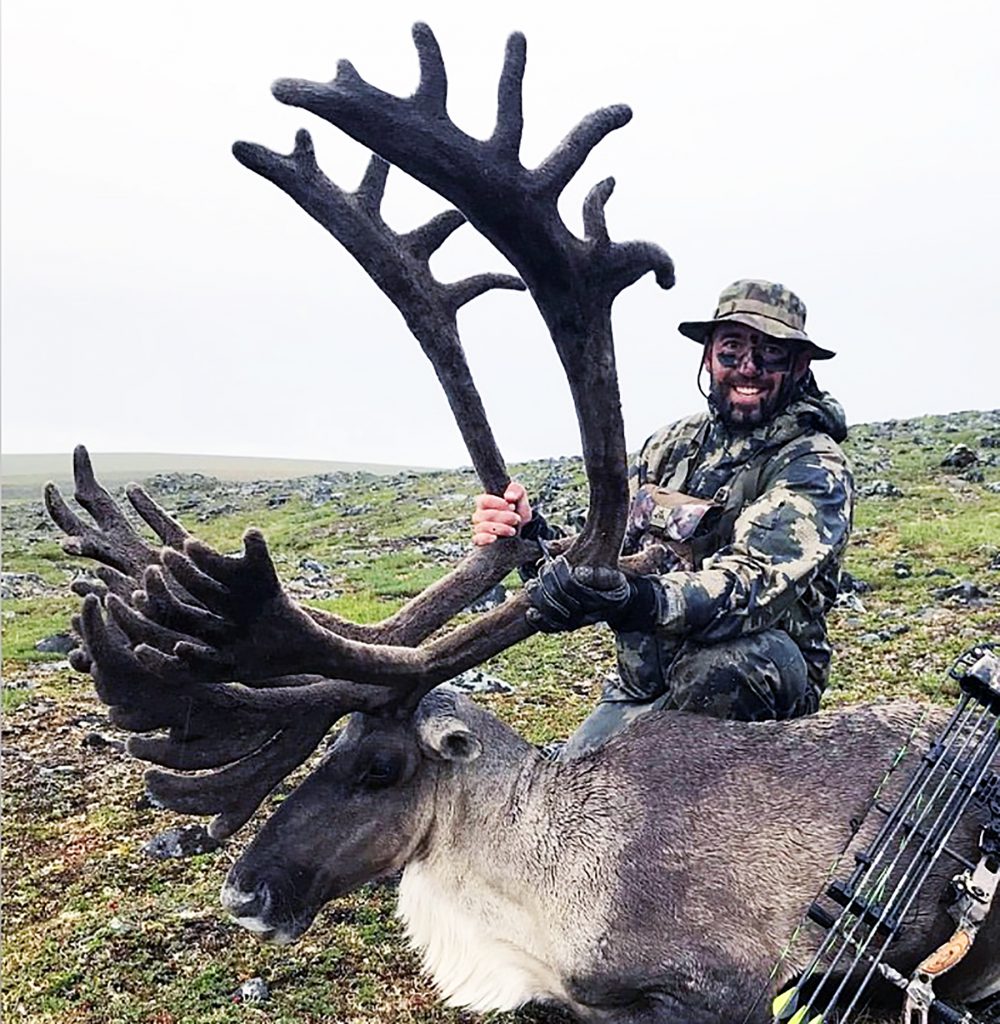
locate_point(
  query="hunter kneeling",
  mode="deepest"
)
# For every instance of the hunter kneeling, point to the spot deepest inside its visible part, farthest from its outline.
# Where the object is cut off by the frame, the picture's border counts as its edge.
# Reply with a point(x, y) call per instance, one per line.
point(751, 503)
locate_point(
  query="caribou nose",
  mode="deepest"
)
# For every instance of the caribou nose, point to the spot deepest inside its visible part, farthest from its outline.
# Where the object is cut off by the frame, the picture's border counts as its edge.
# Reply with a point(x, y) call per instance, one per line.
point(248, 907)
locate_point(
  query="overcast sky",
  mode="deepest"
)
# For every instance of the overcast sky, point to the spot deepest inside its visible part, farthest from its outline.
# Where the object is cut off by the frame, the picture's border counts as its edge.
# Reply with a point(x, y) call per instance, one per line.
point(159, 297)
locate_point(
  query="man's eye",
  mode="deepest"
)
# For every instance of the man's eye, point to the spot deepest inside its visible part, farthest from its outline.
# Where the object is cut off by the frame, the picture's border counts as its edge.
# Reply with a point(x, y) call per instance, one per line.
point(773, 352)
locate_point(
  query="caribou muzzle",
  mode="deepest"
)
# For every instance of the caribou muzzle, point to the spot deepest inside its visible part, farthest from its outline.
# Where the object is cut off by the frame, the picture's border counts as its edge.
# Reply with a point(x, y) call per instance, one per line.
point(271, 908)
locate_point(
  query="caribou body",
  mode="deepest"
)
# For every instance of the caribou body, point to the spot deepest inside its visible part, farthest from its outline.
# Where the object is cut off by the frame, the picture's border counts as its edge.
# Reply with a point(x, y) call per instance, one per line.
point(658, 879)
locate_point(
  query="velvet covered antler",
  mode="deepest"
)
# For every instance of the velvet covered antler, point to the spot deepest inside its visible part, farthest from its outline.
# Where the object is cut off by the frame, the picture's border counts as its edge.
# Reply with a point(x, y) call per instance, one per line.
point(204, 620)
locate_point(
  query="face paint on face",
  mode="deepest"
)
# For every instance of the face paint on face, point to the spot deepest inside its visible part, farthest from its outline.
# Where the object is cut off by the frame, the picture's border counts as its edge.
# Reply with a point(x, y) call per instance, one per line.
point(753, 376)
point(765, 355)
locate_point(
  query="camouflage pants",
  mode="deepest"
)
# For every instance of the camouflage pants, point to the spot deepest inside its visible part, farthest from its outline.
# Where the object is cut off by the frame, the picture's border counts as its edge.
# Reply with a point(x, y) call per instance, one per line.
point(752, 679)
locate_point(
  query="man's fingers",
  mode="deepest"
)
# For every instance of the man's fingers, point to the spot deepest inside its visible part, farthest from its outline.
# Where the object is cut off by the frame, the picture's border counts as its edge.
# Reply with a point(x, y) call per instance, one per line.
point(492, 501)
point(495, 518)
point(491, 528)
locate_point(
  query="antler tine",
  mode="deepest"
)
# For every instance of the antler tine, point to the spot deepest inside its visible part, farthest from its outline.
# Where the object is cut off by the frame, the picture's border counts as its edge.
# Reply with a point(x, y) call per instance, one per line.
point(234, 792)
point(432, 92)
point(124, 554)
point(506, 138)
point(371, 191)
point(558, 169)
point(398, 264)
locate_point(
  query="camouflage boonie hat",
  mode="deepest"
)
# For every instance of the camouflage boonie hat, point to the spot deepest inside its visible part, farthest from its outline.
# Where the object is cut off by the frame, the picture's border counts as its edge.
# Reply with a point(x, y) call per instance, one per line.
point(769, 308)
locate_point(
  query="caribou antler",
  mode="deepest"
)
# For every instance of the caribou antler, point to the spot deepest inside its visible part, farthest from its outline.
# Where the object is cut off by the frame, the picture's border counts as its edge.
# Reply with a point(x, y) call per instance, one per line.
point(573, 282)
point(230, 618)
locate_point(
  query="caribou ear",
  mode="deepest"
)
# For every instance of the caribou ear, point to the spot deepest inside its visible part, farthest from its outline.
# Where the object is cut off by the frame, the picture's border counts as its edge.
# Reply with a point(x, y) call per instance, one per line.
point(448, 738)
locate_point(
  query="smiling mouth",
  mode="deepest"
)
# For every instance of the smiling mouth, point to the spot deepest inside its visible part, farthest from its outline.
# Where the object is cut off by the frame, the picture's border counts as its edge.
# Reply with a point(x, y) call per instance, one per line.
point(748, 390)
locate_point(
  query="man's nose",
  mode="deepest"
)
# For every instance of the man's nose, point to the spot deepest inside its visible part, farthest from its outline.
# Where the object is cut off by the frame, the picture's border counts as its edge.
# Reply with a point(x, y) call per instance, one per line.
point(749, 364)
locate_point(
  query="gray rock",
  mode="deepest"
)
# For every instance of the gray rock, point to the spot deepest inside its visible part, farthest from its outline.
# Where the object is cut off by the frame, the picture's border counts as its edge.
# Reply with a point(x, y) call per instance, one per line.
point(15, 586)
point(253, 990)
point(475, 680)
point(880, 489)
point(58, 643)
point(960, 457)
point(850, 584)
point(965, 592)
point(849, 603)
point(493, 598)
point(187, 841)
point(97, 741)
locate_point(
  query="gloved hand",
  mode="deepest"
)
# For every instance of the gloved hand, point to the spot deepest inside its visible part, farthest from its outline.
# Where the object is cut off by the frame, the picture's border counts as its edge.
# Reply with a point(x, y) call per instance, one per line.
point(564, 598)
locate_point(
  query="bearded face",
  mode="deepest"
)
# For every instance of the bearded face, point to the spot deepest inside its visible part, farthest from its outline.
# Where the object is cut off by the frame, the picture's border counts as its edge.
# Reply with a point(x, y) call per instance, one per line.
point(752, 375)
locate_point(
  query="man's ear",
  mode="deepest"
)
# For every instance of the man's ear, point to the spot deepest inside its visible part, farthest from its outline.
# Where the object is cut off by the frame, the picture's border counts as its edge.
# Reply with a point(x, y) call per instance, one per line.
point(801, 365)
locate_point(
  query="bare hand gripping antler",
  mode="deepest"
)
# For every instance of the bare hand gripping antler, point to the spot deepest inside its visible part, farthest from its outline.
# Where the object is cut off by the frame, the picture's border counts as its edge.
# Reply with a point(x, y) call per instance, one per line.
point(203, 620)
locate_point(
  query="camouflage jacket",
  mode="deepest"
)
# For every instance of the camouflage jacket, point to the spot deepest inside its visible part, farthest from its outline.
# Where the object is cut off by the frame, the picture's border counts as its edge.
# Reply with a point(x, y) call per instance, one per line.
point(776, 563)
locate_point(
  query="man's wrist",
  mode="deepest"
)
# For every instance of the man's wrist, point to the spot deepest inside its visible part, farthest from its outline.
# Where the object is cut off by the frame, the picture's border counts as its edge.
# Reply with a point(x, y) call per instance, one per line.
point(536, 528)
point(655, 605)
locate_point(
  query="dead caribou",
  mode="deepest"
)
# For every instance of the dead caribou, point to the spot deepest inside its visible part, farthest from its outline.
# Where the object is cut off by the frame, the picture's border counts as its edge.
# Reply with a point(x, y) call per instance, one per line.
point(660, 879)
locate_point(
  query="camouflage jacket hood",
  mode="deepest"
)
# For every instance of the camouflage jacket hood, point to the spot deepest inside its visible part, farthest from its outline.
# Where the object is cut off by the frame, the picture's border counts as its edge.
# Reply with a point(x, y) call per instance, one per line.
point(778, 566)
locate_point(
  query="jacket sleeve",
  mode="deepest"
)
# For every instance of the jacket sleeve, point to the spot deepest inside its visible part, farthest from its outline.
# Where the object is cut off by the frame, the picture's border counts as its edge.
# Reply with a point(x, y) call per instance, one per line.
point(781, 543)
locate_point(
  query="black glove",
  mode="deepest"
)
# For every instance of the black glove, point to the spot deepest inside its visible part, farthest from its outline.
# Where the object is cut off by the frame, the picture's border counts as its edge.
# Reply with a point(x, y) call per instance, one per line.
point(563, 598)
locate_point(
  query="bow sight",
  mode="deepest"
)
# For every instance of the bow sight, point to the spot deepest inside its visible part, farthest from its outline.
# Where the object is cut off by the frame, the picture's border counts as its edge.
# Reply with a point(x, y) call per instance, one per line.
point(863, 913)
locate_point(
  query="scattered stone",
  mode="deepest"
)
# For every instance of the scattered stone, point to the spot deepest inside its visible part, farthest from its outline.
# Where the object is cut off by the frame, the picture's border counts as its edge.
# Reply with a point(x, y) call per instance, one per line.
point(58, 643)
point(253, 990)
point(552, 750)
point(902, 570)
point(960, 457)
point(187, 841)
point(61, 769)
point(850, 584)
point(965, 592)
point(872, 638)
point(940, 572)
point(990, 441)
point(995, 563)
point(475, 680)
point(880, 489)
point(974, 476)
point(993, 486)
point(493, 598)
point(96, 741)
point(849, 603)
point(15, 586)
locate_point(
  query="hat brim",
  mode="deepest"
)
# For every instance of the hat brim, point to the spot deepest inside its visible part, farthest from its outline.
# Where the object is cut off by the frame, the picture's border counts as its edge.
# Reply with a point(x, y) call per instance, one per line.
point(699, 330)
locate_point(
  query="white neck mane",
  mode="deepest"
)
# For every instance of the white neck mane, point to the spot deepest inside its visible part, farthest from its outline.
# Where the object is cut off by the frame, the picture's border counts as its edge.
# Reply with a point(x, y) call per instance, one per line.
point(481, 953)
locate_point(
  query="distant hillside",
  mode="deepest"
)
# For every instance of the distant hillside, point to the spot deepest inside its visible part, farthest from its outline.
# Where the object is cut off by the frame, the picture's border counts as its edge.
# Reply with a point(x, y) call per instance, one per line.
point(24, 475)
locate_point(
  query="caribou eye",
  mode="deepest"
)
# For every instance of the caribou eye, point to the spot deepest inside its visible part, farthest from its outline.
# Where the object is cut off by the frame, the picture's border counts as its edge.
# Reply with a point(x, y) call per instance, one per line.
point(382, 770)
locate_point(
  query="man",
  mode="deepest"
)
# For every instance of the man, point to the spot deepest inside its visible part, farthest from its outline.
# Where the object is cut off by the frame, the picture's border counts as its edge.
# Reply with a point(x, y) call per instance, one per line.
point(750, 506)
